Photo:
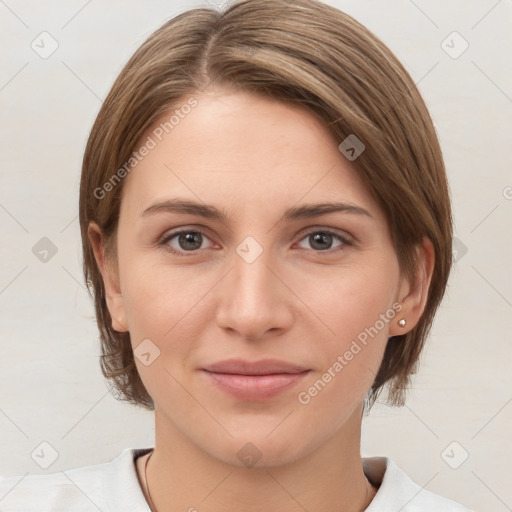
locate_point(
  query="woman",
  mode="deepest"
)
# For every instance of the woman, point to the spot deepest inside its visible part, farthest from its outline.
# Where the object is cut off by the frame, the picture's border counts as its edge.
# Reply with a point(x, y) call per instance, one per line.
point(266, 228)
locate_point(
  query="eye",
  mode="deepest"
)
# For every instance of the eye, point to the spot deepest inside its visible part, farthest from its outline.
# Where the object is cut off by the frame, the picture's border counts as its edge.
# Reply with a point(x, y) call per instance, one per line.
point(321, 240)
point(191, 240)
point(186, 241)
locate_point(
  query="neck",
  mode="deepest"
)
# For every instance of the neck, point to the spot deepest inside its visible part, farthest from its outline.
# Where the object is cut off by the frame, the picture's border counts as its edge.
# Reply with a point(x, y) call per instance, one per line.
point(181, 476)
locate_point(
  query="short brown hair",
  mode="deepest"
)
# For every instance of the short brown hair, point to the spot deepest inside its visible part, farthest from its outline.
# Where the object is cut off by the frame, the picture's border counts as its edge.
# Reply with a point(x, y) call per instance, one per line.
point(302, 51)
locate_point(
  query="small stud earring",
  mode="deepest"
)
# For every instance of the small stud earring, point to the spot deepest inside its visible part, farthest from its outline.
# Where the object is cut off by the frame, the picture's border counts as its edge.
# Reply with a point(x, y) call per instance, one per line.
point(402, 322)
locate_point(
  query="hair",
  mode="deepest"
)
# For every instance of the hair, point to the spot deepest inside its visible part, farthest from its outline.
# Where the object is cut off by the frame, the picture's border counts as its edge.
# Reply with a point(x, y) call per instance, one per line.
point(300, 51)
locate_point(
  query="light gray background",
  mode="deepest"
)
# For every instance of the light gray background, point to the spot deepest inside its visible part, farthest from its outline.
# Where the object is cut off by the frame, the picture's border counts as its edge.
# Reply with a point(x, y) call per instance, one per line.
point(51, 386)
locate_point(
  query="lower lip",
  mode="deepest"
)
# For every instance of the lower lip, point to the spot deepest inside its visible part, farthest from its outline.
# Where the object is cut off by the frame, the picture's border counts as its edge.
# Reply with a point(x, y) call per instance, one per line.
point(255, 387)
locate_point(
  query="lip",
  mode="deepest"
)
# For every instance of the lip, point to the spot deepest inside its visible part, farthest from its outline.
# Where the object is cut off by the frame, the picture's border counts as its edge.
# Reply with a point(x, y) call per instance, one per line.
point(257, 380)
point(261, 367)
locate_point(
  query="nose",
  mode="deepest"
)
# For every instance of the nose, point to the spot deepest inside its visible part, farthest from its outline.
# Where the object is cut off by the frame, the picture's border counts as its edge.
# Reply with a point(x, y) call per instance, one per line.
point(255, 300)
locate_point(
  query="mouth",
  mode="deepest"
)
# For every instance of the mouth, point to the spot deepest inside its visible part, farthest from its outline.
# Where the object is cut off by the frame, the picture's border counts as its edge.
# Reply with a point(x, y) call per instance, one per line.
point(254, 380)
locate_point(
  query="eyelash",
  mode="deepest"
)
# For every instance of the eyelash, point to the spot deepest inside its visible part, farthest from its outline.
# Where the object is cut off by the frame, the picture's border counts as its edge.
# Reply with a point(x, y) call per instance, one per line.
point(164, 242)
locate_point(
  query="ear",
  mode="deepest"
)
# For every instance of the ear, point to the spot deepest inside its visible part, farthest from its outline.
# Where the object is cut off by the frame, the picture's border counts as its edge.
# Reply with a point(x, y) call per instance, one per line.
point(114, 298)
point(415, 294)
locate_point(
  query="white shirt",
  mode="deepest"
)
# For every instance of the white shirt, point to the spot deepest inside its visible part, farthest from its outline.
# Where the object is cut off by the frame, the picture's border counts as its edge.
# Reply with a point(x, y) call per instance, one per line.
point(114, 487)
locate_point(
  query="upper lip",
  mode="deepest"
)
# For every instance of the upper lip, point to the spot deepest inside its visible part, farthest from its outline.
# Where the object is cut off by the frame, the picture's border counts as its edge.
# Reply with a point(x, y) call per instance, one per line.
point(261, 367)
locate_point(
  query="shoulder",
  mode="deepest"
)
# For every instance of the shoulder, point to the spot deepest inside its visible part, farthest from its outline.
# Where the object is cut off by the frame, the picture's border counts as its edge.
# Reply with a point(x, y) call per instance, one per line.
point(105, 486)
point(398, 492)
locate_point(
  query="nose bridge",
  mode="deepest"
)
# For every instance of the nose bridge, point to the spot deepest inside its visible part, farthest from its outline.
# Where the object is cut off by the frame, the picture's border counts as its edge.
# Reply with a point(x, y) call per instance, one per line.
point(253, 302)
point(252, 278)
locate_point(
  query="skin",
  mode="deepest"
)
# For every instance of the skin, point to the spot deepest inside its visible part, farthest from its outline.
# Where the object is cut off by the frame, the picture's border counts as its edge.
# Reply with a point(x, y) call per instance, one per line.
point(254, 158)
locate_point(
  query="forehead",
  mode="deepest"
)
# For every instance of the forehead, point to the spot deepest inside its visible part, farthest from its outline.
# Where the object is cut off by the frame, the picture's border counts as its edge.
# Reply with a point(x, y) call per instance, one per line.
point(243, 148)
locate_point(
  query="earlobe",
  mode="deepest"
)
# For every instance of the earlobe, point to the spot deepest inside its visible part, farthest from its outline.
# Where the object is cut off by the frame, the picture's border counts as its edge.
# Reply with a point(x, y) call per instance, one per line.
point(415, 296)
point(110, 278)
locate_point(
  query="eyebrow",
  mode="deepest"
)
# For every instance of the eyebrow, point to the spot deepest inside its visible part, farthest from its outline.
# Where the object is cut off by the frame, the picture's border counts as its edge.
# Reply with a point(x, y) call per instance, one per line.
point(304, 211)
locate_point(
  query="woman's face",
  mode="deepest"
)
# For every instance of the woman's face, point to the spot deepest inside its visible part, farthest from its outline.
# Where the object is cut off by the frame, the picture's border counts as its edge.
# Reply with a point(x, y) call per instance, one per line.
point(256, 278)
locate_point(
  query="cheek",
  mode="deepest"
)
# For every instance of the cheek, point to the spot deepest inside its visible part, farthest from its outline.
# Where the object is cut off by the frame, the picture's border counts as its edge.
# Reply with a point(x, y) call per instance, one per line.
point(167, 307)
point(355, 310)
point(349, 356)
point(159, 300)
point(349, 301)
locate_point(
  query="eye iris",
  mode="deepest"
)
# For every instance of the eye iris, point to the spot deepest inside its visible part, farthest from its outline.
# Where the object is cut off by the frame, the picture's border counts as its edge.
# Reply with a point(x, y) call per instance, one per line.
point(191, 237)
point(318, 237)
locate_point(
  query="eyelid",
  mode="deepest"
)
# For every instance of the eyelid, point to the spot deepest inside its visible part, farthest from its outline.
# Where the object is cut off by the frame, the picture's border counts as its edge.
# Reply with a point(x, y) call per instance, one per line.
point(198, 227)
point(344, 235)
point(187, 228)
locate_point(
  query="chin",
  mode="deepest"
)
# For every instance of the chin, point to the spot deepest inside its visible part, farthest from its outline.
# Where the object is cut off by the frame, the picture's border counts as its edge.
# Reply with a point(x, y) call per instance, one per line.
point(253, 449)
